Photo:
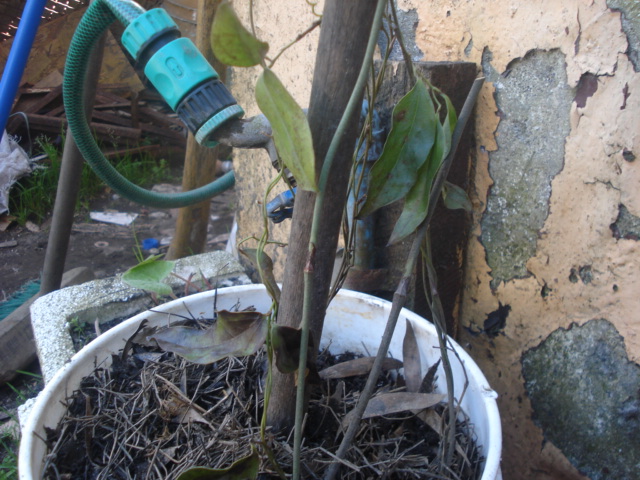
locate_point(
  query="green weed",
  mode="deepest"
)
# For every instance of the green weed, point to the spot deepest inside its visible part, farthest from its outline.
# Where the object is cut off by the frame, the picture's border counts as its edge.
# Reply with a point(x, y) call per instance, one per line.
point(33, 197)
point(9, 441)
point(10, 433)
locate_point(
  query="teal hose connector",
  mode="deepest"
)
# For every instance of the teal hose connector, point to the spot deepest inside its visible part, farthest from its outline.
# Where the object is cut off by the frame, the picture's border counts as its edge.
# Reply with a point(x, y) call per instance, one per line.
point(180, 73)
point(174, 66)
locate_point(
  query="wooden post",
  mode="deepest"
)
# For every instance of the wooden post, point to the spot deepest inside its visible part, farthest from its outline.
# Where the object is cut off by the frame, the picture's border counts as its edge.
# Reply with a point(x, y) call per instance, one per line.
point(69, 185)
point(200, 162)
point(343, 40)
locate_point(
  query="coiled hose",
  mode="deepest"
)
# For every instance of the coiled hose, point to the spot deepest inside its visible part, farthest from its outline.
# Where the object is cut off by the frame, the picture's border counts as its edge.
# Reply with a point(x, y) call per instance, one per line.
point(97, 18)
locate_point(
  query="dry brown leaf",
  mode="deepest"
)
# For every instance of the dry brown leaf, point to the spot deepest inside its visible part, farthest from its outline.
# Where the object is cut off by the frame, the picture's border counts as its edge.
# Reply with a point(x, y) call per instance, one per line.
point(389, 403)
point(411, 360)
point(358, 366)
point(188, 414)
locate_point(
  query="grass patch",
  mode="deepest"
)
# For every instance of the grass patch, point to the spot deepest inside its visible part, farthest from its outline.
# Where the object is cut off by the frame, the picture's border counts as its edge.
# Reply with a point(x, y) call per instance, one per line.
point(9, 442)
point(33, 197)
point(27, 385)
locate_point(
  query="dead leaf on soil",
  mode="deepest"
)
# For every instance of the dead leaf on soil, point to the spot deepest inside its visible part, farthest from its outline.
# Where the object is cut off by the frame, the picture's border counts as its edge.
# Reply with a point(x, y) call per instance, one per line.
point(429, 381)
point(244, 469)
point(233, 334)
point(411, 359)
point(264, 264)
point(358, 366)
point(389, 403)
point(178, 407)
point(286, 345)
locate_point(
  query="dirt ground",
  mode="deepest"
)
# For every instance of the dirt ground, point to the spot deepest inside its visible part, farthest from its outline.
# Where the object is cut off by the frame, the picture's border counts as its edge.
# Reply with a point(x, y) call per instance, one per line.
point(107, 249)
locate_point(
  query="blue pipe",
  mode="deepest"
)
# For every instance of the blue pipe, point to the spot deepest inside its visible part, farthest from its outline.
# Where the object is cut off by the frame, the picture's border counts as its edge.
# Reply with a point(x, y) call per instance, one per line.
point(18, 57)
point(364, 249)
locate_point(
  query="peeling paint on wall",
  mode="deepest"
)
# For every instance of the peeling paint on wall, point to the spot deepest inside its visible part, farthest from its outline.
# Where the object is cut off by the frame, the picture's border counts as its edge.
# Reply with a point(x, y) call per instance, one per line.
point(574, 267)
point(630, 10)
point(533, 101)
point(626, 226)
point(408, 21)
point(585, 394)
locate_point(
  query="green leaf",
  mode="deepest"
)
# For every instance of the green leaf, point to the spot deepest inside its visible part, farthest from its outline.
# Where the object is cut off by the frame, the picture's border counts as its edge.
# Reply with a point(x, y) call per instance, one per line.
point(290, 129)
point(451, 120)
point(286, 345)
point(233, 334)
point(455, 197)
point(407, 147)
point(417, 202)
point(233, 44)
point(148, 275)
point(244, 469)
point(264, 264)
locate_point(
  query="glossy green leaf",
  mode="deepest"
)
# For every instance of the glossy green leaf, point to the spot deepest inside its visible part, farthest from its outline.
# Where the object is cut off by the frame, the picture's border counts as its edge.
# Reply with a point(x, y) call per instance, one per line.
point(290, 129)
point(455, 198)
point(233, 334)
point(417, 201)
point(451, 120)
point(148, 275)
point(244, 469)
point(233, 44)
point(407, 147)
point(264, 265)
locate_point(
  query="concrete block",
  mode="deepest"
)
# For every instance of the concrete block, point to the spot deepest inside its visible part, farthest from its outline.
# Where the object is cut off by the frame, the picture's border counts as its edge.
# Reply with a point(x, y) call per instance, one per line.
point(17, 347)
point(108, 299)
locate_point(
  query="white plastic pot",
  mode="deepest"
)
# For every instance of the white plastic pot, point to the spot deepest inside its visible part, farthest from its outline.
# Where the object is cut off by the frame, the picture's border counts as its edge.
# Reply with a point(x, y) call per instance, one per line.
point(354, 322)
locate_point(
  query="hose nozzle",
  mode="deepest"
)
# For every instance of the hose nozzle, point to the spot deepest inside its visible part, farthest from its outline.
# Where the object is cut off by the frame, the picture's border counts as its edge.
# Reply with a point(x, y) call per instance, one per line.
point(180, 73)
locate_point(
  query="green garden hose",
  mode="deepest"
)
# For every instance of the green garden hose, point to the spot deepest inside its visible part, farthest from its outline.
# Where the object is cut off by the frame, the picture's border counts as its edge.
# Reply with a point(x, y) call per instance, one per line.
point(98, 17)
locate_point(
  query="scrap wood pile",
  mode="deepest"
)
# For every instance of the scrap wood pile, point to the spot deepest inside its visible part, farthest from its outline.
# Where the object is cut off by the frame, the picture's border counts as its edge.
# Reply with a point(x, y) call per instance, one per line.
point(122, 121)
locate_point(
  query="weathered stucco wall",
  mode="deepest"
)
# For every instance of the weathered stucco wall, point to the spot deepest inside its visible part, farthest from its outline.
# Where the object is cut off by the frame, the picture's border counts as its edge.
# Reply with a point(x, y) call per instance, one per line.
point(555, 224)
point(278, 25)
point(554, 253)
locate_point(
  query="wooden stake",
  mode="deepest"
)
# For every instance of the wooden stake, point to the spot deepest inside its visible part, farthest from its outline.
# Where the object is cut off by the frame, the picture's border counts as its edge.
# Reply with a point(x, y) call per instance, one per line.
point(200, 162)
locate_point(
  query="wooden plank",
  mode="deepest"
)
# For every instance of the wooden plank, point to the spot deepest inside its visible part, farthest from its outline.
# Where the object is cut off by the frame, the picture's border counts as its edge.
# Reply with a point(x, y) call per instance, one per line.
point(33, 90)
point(56, 124)
point(107, 106)
point(54, 94)
point(177, 138)
point(31, 103)
point(162, 118)
point(163, 150)
point(56, 112)
point(110, 118)
point(103, 96)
